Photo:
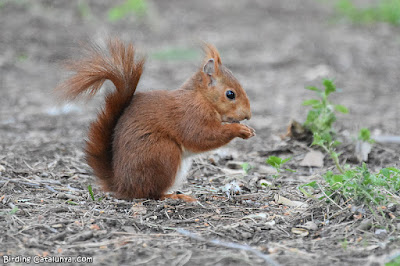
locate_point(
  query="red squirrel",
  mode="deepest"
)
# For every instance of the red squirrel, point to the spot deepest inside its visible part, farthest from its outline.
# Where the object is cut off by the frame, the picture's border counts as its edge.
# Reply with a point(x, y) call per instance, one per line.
point(142, 143)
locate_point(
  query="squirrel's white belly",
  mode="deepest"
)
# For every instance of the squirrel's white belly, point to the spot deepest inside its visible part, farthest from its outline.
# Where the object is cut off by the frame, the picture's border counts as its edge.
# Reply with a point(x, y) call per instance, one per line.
point(183, 170)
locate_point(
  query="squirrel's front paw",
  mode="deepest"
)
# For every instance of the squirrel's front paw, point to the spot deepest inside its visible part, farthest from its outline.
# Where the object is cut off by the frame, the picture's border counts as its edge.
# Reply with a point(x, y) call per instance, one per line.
point(246, 132)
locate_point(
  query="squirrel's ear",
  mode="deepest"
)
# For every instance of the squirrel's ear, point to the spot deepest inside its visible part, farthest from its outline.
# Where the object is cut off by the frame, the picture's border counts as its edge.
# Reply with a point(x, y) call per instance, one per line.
point(209, 67)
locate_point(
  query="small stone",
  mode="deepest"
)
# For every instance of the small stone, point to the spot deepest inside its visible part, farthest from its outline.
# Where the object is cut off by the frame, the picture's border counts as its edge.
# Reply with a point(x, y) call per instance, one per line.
point(234, 165)
point(313, 159)
point(246, 235)
point(365, 224)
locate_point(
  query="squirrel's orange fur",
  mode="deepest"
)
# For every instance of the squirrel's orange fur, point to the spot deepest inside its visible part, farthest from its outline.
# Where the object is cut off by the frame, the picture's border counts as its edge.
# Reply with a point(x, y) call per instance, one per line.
point(139, 140)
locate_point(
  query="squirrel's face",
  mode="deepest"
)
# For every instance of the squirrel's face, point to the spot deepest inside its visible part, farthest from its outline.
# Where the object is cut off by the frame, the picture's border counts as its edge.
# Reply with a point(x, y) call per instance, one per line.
point(225, 93)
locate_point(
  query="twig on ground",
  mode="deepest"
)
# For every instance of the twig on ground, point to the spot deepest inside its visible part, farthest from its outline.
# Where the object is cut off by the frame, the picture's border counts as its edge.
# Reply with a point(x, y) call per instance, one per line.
point(217, 242)
point(329, 198)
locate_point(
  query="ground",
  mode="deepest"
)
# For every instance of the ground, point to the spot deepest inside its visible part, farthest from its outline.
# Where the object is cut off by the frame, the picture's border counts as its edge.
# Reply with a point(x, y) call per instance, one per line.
point(275, 48)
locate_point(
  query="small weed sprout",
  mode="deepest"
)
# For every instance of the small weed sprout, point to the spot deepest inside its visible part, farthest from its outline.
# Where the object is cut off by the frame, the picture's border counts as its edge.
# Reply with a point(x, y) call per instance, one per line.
point(277, 163)
point(394, 261)
point(363, 186)
point(138, 7)
point(91, 192)
point(90, 189)
point(383, 11)
point(365, 135)
point(11, 212)
point(246, 167)
point(358, 183)
point(84, 9)
point(321, 118)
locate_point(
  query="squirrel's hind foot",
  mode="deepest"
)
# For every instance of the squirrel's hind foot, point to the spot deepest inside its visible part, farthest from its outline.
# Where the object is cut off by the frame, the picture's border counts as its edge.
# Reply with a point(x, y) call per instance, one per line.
point(183, 197)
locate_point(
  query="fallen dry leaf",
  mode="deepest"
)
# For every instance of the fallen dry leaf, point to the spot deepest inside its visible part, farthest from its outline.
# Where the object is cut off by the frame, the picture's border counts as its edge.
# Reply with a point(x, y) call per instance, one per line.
point(261, 215)
point(310, 225)
point(296, 131)
point(300, 231)
point(292, 203)
point(138, 209)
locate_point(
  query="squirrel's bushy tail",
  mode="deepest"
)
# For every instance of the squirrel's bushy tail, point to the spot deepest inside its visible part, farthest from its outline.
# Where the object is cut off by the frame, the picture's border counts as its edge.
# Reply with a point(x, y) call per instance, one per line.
point(118, 65)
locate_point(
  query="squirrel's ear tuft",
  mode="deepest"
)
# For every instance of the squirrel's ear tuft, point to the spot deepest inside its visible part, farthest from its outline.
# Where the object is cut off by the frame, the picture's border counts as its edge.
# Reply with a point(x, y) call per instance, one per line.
point(212, 53)
point(209, 67)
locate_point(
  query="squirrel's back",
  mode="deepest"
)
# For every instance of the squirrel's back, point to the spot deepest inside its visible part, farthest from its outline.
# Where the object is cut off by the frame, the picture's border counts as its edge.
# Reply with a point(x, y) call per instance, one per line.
point(117, 64)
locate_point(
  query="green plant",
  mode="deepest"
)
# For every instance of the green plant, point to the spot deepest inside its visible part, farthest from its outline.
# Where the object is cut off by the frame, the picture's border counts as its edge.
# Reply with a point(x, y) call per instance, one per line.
point(304, 189)
point(321, 118)
point(322, 115)
point(91, 192)
point(137, 7)
point(90, 189)
point(358, 184)
point(11, 212)
point(383, 11)
point(365, 135)
point(246, 167)
point(277, 163)
point(345, 244)
point(361, 185)
point(84, 9)
point(394, 261)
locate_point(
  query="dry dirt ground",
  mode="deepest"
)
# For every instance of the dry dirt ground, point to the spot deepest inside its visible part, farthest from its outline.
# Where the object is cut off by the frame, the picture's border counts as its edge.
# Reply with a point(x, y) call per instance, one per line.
point(275, 48)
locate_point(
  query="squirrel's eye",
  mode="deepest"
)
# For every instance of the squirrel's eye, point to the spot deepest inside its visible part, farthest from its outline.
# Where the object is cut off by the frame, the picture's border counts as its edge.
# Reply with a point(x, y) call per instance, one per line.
point(230, 94)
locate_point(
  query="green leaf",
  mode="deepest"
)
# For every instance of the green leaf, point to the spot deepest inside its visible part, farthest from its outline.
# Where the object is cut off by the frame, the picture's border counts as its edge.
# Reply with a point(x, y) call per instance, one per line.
point(311, 102)
point(286, 160)
point(335, 143)
point(274, 161)
point(341, 108)
point(329, 87)
point(91, 192)
point(312, 116)
point(317, 140)
point(337, 178)
point(14, 210)
point(393, 169)
point(84, 9)
point(394, 261)
point(116, 14)
point(138, 7)
point(246, 167)
point(311, 88)
point(312, 184)
point(365, 135)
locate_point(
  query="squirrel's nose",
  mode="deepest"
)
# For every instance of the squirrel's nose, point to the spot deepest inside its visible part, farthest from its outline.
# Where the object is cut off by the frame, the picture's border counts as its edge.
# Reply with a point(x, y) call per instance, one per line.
point(248, 116)
point(244, 114)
